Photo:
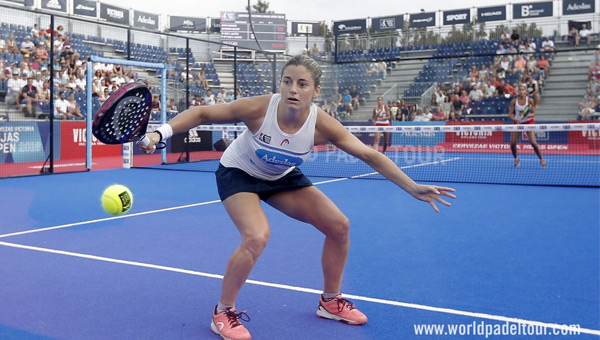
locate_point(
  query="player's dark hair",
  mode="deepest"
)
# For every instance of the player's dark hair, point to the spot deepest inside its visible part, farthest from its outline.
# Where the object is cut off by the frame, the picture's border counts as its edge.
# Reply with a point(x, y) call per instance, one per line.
point(310, 64)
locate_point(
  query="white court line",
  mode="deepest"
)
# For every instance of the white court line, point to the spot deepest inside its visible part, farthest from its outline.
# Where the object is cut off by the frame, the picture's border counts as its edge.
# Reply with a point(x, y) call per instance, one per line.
point(312, 291)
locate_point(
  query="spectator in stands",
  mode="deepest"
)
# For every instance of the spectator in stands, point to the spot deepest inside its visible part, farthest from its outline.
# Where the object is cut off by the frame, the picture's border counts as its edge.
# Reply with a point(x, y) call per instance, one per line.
point(38, 82)
point(531, 63)
point(382, 69)
point(197, 101)
point(170, 69)
point(438, 114)
point(373, 68)
point(35, 33)
point(314, 51)
point(80, 82)
point(421, 116)
point(27, 46)
point(533, 89)
point(403, 111)
point(594, 70)
point(209, 99)
point(393, 109)
point(355, 97)
point(333, 108)
point(222, 96)
point(515, 37)
point(172, 107)
point(118, 70)
point(573, 36)
point(457, 108)
point(520, 64)
point(475, 94)
point(505, 38)
point(104, 96)
point(464, 98)
point(44, 98)
point(336, 96)
point(585, 34)
point(13, 94)
point(548, 45)
point(505, 64)
point(501, 49)
point(202, 78)
point(61, 106)
point(40, 52)
point(73, 110)
point(11, 45)
point(156, 106)
point(506, 89)
point(3, 48)
point(347, 101)
point(29, 98)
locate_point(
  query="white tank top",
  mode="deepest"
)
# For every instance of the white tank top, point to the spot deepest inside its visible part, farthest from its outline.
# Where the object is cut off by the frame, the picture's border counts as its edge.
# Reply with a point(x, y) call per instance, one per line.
point(519, 110)
point(380, 114)
point(270, 153)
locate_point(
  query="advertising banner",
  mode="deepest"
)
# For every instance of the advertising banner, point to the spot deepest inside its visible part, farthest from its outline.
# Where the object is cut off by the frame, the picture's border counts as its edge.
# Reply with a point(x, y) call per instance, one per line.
point(114, 14)
point(387, 23)
point(532, 10)
point(187, 24)
point(86, 8)
point(350, 26)
point(422, 19)
point(491, 13)
point(459, 16)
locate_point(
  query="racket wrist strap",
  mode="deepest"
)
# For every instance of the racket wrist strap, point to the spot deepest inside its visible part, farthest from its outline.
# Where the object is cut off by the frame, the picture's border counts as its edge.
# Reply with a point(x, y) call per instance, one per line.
point(165, 132)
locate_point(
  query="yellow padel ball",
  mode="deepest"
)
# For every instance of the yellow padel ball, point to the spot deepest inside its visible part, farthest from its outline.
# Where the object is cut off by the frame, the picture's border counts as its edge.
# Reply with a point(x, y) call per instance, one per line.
point(117, 199)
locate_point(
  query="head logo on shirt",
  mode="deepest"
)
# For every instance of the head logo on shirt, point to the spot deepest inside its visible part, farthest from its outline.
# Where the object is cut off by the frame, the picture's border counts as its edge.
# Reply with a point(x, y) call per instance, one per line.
point(285, 141)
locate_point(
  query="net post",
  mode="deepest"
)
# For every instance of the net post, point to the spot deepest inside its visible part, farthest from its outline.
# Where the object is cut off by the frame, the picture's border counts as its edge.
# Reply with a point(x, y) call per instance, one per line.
point(88, 114)
point(163, 106)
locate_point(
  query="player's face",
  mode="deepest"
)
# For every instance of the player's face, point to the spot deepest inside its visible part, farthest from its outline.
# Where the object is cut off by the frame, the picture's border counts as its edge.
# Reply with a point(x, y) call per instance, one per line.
point(522, 91)
point(297, 87)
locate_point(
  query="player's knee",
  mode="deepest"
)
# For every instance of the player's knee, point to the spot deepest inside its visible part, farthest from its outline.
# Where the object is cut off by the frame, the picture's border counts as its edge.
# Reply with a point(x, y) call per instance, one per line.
point(256, 243)
point(339, 228)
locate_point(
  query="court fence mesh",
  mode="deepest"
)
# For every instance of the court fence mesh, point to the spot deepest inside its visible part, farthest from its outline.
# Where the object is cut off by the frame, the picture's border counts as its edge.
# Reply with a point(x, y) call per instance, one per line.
point(476, 153)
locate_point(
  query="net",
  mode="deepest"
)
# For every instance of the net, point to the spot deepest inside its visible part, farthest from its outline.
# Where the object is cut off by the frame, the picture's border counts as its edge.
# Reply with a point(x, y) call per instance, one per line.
point(437, 153)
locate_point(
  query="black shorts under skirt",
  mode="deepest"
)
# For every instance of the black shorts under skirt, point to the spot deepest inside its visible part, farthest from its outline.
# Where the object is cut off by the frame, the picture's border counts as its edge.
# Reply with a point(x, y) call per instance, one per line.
point(230, 181)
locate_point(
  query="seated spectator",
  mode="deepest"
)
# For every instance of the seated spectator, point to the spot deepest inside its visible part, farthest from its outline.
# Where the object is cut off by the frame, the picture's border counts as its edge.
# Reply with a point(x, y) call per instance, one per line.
point(27, 46)
point(501, 49)
point(222, 96)
point(515, 37)
point(333, 105)
point(456, 111)
point(475, 94)
point(171, 106)
point(573, 36)
point(421, 116)
point(474, 73)
point(104, 96)
point(548, 45)
point(209, 99)
point(29, 98)
point(35, 33)
point(44, 98)
point(533, 89)
point(155, 105)
point(202, 78)
point(197, 101)
point(393, 106)
point(347, 101)
point(595, 70)
point(170, 69)
point(3, 48)
point(505, 38)
point(585, 34)
point(314, 51)
point(505, 65)
point(403, 111)
point(13, 93)
point(11, 45)
point(507, 89)
point(73, 110)
point(520, 64)
point(587, 108)
point(355, 97)
point(464, 98)
point(544, 65)
point(531, 63)
point(61, 106)
point(439, 115)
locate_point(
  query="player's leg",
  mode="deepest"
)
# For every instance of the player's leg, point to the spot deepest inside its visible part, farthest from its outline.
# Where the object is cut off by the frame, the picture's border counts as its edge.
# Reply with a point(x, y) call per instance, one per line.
point(376, 141)
point(246, 212)
point(514, 139)
point(310, 205)
point(248, 216)
point(386, 141)
point(536, 147)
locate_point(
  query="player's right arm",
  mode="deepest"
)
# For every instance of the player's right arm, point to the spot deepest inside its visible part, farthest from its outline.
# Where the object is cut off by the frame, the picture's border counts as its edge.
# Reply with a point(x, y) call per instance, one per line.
point(249, 110)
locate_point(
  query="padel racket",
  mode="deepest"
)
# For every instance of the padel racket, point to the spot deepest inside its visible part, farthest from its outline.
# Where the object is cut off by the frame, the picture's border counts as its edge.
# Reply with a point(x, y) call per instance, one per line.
point(124, 116)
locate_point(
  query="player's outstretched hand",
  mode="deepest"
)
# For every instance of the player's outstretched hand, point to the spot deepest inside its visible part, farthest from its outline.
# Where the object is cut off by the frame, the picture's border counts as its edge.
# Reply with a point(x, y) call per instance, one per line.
point(432, 193)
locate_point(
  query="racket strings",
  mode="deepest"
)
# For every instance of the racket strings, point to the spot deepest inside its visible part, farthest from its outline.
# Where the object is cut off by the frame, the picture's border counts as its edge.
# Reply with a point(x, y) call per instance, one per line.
point(129, 116)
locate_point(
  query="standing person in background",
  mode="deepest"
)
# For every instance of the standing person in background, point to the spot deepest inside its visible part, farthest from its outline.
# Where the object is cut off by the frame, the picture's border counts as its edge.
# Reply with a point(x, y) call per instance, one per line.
point(284, 126)
point(522, 111)
point(381, 117)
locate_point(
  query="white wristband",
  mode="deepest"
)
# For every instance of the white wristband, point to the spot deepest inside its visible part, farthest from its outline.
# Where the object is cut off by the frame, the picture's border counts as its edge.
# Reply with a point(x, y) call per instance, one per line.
point(165, 131)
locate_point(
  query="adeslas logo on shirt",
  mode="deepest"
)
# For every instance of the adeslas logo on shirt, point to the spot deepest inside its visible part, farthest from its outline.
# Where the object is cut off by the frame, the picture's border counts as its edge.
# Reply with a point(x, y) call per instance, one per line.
point(276, 158)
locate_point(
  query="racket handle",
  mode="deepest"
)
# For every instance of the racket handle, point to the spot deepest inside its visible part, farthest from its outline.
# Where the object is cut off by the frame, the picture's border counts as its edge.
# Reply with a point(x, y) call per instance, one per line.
point(145, 141)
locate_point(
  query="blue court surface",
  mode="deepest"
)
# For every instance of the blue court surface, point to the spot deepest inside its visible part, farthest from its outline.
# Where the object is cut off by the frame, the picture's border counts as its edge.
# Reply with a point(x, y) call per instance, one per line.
point(516, 261)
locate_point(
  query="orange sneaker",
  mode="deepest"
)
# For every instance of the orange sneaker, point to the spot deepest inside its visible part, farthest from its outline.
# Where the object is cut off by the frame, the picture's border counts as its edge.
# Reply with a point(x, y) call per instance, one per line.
point(341, 310)
point(227, 324)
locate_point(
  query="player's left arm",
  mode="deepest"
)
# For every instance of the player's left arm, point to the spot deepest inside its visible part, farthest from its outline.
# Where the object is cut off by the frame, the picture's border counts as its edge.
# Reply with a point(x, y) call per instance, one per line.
point(329, 129)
